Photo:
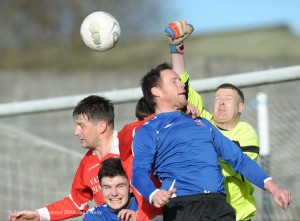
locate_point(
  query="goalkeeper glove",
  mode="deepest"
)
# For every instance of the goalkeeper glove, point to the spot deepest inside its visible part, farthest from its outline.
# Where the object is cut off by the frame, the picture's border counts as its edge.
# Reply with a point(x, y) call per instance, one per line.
point(176, 32)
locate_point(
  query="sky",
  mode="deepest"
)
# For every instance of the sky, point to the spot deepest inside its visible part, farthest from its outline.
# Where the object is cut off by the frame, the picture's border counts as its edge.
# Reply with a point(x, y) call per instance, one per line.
point(212, 16)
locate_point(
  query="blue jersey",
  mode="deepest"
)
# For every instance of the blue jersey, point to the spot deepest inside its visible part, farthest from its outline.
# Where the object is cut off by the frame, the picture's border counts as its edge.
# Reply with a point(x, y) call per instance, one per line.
point(104, 213)
point(167, 145)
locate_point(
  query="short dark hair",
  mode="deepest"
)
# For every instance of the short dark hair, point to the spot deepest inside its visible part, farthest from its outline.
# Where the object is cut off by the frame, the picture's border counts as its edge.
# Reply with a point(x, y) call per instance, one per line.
point(142, 109)
point(233, 87)
point(152, 79)
point(96, 108)
point(111, 167)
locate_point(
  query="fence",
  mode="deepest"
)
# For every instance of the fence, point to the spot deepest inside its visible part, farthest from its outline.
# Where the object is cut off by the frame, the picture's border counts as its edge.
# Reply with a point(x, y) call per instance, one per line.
point(40, 155)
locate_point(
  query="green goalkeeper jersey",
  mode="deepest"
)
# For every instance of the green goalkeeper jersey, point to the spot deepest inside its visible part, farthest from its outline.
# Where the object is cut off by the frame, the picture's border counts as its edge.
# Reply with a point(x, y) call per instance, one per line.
point(239, 191)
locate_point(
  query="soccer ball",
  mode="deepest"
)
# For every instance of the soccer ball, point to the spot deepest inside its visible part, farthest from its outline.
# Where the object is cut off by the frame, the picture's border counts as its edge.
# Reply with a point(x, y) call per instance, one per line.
point(100, 31)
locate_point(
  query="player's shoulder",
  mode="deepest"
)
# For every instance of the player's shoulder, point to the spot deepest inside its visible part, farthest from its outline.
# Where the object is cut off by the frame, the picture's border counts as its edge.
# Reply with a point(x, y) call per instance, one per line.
point(130, 126)
point(165, 117)
point(133, 205)
point(153, 122)
point(245, 125)
point(149, 128)
point(245, 130)
point(98, 208)
point(86, 158)
point(96, 213)
point(204, 122)
point(134, 126)
point(128, 129)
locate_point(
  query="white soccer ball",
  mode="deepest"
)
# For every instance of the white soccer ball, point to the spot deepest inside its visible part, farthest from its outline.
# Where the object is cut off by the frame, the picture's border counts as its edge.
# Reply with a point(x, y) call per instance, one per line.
point(100, 31)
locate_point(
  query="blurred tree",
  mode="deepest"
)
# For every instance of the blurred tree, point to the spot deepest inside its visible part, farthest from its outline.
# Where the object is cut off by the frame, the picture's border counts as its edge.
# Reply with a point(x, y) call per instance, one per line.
point(31, 22)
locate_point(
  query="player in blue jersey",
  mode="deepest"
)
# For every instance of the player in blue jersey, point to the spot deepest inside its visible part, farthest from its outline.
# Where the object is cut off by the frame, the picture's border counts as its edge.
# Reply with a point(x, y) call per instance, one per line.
point(226, 115)
point(120, 204)
point(184, 154)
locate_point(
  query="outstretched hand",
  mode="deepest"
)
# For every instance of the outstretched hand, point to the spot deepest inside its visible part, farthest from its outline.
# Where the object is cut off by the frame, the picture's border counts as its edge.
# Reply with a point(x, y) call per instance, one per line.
point(281, 197)
point(24, 215)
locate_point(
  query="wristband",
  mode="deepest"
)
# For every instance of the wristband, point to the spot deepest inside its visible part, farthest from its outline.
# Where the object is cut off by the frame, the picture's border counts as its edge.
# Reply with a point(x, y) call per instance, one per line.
point(176, 49)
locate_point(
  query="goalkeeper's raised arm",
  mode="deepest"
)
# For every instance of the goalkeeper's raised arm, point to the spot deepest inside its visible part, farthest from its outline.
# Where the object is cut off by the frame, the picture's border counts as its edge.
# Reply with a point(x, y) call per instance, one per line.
point(176, 33)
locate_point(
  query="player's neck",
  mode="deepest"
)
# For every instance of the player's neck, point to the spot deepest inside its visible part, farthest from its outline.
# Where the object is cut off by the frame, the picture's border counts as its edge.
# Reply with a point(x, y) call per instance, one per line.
point(106, 142)
point(226, 126)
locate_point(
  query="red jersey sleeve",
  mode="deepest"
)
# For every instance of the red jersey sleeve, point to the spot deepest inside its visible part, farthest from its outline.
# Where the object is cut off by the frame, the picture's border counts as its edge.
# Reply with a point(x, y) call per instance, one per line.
point(85, 187)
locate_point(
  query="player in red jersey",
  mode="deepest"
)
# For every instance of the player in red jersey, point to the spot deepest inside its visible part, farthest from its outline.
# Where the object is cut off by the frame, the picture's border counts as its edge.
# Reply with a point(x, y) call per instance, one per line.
point(143, 113)
point(94, 118)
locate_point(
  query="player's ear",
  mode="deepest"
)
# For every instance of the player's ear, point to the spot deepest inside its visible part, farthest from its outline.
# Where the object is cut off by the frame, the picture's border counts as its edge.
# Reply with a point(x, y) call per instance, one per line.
point(155, 91)
point(241, 107)
point(102, 125)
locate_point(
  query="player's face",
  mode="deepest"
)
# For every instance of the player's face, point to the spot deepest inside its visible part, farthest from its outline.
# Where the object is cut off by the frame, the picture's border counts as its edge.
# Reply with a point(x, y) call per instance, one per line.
point(116, 192)
point(227, 106)
point(171, 91)
point(87, 132)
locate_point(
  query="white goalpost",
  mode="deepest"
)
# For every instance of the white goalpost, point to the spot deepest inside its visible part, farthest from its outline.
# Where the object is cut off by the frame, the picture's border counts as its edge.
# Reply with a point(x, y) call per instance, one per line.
point(133, 94)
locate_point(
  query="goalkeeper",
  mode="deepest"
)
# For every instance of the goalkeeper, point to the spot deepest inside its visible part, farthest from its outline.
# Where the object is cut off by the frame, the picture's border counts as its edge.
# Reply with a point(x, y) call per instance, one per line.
point(227, 109)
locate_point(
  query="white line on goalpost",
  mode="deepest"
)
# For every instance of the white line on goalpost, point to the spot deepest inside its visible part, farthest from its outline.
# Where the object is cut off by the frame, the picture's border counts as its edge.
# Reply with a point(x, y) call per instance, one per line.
point(133, 94)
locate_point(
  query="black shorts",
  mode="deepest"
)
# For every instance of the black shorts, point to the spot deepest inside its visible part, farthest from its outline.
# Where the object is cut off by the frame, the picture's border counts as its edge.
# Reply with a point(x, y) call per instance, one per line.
point(199, 207)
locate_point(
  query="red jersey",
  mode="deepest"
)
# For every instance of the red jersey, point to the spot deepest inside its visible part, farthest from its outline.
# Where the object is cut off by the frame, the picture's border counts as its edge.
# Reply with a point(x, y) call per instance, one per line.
point(146, 211)
point(85, 187)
